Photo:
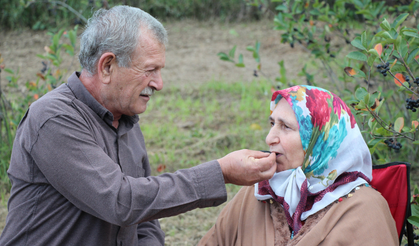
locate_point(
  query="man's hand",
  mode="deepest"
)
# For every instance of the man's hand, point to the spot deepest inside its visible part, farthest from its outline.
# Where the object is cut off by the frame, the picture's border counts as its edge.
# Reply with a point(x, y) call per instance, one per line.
point(246, 167)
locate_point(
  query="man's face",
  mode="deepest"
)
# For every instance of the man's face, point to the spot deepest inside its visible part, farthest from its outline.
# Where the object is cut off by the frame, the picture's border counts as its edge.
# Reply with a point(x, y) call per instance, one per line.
point(127, 95)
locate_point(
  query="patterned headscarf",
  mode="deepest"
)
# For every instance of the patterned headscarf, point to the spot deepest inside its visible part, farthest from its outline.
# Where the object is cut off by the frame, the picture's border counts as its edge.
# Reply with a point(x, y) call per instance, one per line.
point(336, 159)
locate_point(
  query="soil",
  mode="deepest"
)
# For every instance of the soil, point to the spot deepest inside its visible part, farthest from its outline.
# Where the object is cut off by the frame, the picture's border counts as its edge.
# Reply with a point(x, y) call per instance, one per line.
point(191, 57)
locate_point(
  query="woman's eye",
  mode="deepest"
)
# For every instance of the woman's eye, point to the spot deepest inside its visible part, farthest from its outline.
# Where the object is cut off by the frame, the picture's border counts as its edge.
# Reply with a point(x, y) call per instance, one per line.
point(284, 126)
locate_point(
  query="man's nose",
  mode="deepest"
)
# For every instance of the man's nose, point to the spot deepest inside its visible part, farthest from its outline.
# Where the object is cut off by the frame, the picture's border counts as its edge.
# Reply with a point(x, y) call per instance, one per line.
point(157, 81)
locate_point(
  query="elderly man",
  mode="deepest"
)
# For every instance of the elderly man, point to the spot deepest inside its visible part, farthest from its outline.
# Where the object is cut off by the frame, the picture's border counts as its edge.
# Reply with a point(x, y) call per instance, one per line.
point(79, 168)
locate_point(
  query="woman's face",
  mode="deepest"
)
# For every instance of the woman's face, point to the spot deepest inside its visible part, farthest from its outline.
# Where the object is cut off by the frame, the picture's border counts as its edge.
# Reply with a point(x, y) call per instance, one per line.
point(284, 137)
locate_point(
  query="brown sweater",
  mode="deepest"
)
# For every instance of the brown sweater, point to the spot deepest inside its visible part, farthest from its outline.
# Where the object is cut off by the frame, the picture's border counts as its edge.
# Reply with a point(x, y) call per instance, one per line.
point(362, 219)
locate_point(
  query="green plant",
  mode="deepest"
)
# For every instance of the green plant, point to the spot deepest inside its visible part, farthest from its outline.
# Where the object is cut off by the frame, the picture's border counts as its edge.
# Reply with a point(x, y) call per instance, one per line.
point(378, 80)
point(45, 14)
point(54, 14)
point(414, 218)
point(323, 29)
point(13, 106)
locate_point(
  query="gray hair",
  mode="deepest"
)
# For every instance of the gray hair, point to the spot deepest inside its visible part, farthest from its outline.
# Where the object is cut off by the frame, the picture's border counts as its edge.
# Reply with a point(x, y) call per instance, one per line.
point(116, 30)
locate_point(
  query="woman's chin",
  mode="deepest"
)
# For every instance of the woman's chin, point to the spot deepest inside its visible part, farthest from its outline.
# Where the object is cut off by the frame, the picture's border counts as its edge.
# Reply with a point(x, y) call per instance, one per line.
point(279, 168)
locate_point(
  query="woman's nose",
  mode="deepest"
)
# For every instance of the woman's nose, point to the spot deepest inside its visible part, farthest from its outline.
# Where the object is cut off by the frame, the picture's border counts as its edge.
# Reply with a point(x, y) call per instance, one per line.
point(272, 138)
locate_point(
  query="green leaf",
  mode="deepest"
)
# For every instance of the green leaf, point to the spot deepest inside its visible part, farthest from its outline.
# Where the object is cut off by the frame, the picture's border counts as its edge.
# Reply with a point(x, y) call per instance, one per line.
point(397, 44)
point(358, 4)
point(384, 34)
point(281, 8)
point(356, 55)
point(411, 34)
point(240, 63)
point(412, 55)
point(223, 56)
point(56, 38)
point(416, 142)
point(68, 48)
point(357, 43)
point(241, 58)
point(367, 99)
point(414, 220)
point(233, 32)
point(371, 60)
point(360, 105)
point(373, 142)
point(359, 73)
point(383, 132)
point(41, 56)
point(372, 97)
point(73, 38)
point(364, 41)
point(232, 51)
point(360, 93)
point(8, 70)
point(250, 48)
point(372, 124)
point(394, 33)
point(385, 25)
point(373, 52)
point(315, 12)
point(399, 20)
point(415, 209)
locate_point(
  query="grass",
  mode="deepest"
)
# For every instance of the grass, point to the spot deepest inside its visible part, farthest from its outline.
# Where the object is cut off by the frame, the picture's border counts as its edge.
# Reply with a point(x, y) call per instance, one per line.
point(185, 127)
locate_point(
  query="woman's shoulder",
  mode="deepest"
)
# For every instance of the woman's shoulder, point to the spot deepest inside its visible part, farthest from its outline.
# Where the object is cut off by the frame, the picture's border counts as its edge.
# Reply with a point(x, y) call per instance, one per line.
point(363, 201)
point(365, 196)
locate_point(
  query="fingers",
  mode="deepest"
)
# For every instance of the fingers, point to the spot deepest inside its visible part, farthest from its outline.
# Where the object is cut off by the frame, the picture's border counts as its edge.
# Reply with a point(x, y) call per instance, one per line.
point(258, 154)
point(246, 167)
point(267, 167)
point(267, 162)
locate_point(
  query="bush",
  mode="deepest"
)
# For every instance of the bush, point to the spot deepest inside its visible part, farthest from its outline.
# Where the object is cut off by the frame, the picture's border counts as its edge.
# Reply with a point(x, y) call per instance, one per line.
point(49, 14)
point(380, 79)
point(12, 109)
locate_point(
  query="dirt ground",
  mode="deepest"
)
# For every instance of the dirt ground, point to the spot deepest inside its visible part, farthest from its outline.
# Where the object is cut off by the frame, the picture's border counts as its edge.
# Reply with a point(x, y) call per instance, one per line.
point(191, 55)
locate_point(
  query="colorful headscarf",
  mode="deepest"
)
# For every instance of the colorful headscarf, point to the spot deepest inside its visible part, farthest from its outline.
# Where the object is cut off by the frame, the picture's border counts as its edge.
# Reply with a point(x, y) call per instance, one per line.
point(336, 159)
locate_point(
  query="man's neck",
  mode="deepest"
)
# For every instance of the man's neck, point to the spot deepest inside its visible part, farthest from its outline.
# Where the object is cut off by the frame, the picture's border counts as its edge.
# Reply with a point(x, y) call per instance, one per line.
point(92, 85)
point(115, 123)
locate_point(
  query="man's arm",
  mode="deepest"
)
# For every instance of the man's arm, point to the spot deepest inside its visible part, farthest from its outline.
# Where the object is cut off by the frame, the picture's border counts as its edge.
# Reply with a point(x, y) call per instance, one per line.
point(150, 233)
point(82, 172)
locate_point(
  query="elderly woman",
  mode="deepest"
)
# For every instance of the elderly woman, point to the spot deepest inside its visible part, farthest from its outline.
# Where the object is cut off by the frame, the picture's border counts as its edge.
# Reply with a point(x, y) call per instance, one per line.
point(320, 193)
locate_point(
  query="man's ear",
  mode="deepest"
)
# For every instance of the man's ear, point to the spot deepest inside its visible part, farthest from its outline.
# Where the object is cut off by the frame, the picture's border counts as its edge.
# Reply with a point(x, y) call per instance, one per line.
point(106, 66)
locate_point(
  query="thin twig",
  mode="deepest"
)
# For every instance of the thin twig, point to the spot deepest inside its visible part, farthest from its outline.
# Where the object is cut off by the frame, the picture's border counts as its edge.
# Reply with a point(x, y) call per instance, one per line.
point(66, 6)
point(381, 122)
point(405, 65)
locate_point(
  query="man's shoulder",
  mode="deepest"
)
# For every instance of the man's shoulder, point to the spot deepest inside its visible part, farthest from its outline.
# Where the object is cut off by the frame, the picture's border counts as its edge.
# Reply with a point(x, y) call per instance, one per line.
point(56, 102)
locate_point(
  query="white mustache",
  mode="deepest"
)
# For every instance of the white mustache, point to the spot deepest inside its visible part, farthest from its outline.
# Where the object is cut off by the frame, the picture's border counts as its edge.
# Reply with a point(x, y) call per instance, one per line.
point(147, 91)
